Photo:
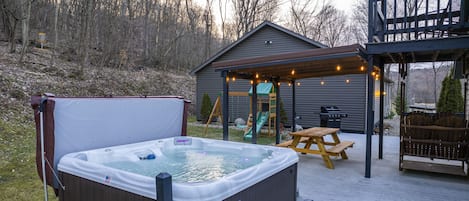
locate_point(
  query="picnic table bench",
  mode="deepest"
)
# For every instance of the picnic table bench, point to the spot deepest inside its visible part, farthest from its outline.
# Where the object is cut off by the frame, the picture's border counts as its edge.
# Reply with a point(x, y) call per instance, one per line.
point(316, 136)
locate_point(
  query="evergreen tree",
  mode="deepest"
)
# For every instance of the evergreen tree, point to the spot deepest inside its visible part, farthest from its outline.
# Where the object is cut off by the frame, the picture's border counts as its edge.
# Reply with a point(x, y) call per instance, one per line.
point(397, 104)
point(206, 107)
point(283, 113)
point(451, 99)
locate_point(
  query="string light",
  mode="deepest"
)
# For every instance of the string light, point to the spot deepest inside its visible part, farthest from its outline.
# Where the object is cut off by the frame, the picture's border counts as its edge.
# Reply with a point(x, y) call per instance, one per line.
point(227, 79)
point(233, 79)
point(265, 81)
point(252, 82)
point(278, 83)
point(373, 73)
point(289, 84)
point(338, 67)
point(293, 72)
point(347, 81)
point(362, 68)
point(322, 82)
point(384, 93)
point(298, 84)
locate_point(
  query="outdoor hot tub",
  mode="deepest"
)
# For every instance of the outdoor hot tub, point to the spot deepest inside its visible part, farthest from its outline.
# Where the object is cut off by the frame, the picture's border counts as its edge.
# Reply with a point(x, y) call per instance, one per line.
point(201, 169)
point(135, 148)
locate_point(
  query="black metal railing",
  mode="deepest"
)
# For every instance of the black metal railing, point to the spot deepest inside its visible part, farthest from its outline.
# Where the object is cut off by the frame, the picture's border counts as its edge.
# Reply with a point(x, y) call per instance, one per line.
point(402, 20)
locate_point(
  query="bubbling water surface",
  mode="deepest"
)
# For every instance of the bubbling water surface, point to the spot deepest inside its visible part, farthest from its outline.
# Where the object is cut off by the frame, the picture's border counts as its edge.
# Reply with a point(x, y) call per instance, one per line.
point(193, 165)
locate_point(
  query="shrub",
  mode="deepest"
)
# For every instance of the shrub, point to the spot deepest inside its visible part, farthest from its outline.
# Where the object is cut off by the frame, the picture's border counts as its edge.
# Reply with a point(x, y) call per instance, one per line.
point(206, 107)
point(451, 99)
point(283, 113)
point(397, 104)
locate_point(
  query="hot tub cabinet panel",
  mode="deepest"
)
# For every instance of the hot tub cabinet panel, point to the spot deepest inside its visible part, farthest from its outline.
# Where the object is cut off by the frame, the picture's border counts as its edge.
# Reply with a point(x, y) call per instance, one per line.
point(279, 187)
point(80, 189)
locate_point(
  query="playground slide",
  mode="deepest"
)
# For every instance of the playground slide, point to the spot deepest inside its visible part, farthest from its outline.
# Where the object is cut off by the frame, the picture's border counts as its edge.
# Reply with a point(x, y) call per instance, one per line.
point(261, 120)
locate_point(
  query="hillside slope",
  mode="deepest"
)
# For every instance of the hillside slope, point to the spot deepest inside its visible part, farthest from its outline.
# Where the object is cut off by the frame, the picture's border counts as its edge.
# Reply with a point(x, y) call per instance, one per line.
point(36, 76)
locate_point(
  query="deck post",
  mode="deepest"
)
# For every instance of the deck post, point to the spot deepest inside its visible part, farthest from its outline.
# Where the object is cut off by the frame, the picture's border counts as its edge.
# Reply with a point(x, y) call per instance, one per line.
point(381, 110)
point(225, 105)
point(254, 112)
point(370, 92)
point(277, 111)
point(369, 116)
point(164, 187)
point(293, 106)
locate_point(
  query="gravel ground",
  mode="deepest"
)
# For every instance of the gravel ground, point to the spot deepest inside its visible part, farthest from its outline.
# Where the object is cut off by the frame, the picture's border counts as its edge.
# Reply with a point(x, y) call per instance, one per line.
point(392, 126)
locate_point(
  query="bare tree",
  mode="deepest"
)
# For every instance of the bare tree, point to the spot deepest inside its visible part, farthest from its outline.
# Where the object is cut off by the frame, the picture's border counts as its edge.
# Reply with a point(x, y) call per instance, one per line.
point(310, 17)
point(222, 4)
point(208, 18)
point(334, 23)
point(56, 35)
point(26, 10)
point(359, 22)
point(302, 14)
point(10, 13)
point(166, 34)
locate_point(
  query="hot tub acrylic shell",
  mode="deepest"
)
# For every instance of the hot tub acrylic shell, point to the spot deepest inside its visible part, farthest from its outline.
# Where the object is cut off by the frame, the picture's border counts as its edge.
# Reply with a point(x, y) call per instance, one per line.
point(88, 165)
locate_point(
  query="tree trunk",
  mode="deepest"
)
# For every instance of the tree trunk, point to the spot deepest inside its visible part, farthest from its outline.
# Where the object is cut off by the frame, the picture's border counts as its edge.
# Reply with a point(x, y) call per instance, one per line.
point(26, 5)
point(56, 37)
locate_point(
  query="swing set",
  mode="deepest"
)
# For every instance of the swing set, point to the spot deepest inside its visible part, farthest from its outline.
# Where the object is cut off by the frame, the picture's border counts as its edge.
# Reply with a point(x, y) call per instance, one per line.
point(266, 95)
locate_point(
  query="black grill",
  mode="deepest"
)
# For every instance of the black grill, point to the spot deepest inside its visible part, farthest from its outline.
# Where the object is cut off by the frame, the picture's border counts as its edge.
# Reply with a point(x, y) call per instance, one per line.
point(331, 116)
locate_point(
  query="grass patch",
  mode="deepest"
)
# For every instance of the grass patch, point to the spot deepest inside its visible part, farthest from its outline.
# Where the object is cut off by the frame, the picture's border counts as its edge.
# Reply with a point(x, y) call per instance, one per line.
point(234, 134)
point(18, 176)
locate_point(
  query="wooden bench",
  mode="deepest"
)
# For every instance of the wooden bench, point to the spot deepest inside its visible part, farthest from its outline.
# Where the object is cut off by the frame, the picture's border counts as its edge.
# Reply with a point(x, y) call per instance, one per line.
point(289, 142)
point(340, 147)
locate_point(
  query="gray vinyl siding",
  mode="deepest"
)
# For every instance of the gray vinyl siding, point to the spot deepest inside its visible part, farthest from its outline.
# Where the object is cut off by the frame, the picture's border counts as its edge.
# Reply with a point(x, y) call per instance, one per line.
point(255, 46)
point(210, 82)
point(350, 98)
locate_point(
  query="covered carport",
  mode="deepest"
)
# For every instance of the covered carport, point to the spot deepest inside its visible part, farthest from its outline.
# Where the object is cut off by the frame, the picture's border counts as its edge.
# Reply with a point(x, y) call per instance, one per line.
point(290, 67)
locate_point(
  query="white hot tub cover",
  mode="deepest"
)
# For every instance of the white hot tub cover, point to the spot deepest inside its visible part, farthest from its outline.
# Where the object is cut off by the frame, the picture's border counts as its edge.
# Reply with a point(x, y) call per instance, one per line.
point(73, 124)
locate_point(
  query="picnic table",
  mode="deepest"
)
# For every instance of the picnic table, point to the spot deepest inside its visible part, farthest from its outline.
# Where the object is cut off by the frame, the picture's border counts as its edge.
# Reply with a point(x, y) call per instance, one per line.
point(316, 136)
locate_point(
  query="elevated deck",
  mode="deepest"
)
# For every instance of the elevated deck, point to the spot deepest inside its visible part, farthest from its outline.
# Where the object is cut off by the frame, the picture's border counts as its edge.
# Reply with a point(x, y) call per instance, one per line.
point(409, 31)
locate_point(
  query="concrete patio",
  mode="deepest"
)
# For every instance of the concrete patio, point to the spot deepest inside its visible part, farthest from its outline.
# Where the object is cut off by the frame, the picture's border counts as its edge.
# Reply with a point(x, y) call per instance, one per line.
point(347, 181)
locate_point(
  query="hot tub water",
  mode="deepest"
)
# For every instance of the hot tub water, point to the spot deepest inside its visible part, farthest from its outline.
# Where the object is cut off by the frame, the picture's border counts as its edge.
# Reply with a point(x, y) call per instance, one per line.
point(193, 165)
